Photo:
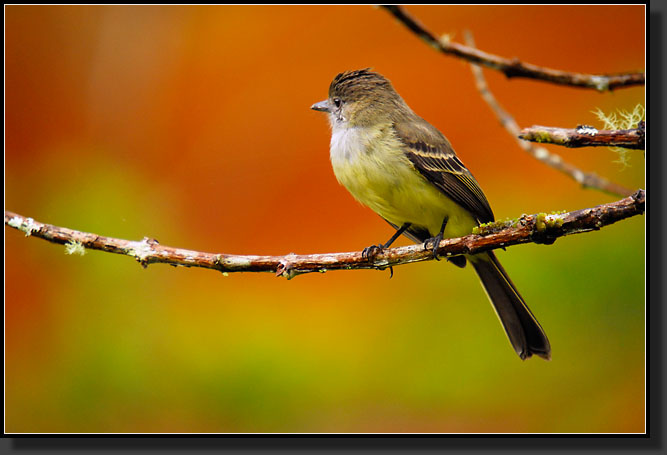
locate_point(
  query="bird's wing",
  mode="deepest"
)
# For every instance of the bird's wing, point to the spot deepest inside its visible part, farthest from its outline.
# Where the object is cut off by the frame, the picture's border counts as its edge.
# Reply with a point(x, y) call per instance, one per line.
point(432, 155)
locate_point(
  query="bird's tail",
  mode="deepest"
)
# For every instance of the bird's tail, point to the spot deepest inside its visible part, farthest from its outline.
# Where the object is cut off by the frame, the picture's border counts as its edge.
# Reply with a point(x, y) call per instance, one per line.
point(523, 330)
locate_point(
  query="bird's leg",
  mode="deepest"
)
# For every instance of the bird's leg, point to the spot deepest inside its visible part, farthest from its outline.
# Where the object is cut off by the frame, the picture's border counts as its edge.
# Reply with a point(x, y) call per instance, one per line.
point(372, 250)
point(437, 239)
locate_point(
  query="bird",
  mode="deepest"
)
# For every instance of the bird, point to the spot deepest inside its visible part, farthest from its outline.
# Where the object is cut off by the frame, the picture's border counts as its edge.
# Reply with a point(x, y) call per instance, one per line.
point(405, 170)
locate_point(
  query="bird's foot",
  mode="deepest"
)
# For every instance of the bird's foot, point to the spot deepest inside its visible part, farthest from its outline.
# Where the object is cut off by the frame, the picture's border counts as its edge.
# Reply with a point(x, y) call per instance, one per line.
point(372, 251)
point(432, 244)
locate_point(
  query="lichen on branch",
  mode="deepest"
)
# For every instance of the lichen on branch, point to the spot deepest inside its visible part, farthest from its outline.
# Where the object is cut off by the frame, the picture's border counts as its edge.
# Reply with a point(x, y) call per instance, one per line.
point(586, 136)
point(515, 67)
point(538, 228)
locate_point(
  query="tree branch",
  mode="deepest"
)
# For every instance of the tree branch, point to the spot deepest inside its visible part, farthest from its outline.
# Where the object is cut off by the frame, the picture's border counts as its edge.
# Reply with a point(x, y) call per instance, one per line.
point(586, 136)
point(539, 228)
point(514, 67)
point(586, 179)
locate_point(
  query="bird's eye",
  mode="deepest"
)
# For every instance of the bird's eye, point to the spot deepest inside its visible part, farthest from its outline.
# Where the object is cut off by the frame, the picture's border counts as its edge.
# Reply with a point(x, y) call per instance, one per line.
point(337, 102)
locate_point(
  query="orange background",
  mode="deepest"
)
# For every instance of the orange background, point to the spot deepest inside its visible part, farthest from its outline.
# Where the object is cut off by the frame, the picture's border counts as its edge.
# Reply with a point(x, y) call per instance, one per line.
point(192, 125)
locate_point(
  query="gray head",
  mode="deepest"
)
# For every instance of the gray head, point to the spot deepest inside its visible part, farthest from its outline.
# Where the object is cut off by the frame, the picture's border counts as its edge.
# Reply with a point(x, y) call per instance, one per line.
point(362, 98)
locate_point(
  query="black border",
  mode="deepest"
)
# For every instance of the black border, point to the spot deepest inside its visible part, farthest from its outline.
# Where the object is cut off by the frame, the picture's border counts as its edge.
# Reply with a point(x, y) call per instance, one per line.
point(656, 221)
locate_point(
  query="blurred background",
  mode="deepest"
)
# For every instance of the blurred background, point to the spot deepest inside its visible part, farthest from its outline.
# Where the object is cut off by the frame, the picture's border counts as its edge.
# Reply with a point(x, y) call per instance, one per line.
point(192, 125)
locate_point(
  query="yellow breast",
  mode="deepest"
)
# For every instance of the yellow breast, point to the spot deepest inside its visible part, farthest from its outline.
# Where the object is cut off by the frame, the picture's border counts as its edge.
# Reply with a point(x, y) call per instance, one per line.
point(370, 163)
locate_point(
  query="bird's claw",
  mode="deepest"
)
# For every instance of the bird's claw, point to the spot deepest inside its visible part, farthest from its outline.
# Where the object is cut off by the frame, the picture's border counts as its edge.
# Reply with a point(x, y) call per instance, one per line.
point(371, 251)
point(435, 243)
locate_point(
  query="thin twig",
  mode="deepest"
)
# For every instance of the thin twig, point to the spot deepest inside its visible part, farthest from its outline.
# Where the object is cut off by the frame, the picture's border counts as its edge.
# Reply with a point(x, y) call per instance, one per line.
point(514, 67)
point(586, 179)
point(586, 136)
point(539, 228)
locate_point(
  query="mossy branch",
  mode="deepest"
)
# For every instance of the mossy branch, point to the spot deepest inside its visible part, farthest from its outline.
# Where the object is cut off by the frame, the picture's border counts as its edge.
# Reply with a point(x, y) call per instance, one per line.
point(515, 67)
point(586, 136)
point(538, 228)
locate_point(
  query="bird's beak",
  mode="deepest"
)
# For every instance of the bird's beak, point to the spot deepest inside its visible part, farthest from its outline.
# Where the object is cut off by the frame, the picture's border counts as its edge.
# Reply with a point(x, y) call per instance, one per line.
point(323, 106)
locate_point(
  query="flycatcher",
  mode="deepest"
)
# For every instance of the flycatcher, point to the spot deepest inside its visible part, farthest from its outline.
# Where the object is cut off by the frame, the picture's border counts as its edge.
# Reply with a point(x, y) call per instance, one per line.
point(405, 170)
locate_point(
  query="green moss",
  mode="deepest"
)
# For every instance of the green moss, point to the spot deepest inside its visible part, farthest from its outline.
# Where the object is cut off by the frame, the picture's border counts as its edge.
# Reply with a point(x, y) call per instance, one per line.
point(554, 222)
point(494, 226)
point(542, 136)
point(540, 222)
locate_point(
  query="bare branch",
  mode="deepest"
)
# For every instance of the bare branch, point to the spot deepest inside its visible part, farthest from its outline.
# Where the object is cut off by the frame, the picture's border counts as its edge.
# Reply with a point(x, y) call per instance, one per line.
point(586, 136)
point(539, 228)
point(586, 179)
point(514, 67)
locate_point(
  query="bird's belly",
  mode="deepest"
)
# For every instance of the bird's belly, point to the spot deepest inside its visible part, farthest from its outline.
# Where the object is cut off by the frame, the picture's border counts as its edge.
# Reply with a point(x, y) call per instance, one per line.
point(397, 192)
